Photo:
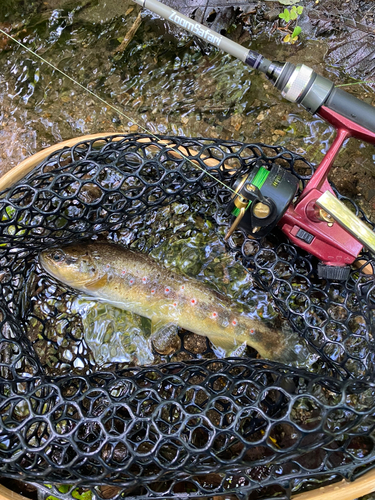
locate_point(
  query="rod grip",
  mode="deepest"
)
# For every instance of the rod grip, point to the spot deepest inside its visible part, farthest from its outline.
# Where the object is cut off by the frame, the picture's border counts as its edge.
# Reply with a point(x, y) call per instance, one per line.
point(350, 107)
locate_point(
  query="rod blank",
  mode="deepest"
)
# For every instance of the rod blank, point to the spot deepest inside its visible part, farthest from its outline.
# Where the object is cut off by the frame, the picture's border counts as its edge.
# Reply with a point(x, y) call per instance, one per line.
point(206, 34)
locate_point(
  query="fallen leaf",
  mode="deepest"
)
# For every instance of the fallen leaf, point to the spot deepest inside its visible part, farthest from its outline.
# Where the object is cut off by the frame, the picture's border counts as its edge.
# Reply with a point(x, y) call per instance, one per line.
point(129, 11)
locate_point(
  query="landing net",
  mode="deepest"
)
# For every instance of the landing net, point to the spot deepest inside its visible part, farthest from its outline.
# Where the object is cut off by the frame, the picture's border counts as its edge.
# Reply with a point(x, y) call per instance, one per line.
point(191, 429)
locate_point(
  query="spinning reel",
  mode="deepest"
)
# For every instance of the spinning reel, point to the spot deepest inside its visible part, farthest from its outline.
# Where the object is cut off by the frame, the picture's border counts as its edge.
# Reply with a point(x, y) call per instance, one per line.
point(316, 220)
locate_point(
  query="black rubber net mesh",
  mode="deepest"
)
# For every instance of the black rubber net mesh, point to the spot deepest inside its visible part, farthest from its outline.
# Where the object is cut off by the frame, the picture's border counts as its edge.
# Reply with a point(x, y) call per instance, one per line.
point(195, 428)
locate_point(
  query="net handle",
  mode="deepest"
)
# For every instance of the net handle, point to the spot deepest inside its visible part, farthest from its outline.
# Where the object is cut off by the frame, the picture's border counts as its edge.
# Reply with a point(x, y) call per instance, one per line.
point(7, 494)
point(343, 490)
point(23, 168)
point(19, 171)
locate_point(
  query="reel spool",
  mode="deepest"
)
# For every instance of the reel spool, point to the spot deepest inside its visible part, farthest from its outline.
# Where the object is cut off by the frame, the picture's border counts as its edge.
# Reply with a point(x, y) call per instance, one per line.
point(261, 198)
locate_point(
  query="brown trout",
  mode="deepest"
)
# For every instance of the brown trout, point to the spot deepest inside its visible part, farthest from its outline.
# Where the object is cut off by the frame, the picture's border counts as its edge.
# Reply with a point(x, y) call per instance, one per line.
point(137, 283)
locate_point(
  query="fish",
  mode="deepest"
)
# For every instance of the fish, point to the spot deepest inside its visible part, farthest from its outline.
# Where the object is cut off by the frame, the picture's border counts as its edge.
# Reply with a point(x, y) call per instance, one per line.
point(136, 282)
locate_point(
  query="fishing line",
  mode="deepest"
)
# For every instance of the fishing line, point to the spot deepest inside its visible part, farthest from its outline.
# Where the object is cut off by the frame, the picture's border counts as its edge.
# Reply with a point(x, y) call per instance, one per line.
point(114, 108)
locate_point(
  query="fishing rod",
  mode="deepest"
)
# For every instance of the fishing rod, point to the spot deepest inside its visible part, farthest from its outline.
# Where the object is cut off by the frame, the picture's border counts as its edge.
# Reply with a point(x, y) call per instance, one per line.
point(315, 220)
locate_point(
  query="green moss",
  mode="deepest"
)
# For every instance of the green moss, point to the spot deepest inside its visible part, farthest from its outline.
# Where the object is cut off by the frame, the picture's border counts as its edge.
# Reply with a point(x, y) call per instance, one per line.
point(65, 488)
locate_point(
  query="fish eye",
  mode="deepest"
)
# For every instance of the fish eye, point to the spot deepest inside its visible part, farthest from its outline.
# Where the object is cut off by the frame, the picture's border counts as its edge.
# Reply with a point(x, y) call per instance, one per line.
point(58, 256)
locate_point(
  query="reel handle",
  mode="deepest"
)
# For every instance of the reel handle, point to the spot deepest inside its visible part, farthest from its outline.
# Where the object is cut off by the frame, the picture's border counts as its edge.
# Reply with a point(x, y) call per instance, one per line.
point(347, 219)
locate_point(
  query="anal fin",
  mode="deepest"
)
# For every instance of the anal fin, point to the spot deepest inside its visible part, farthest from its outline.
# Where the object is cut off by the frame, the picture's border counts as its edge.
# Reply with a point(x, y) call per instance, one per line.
point(230, 347)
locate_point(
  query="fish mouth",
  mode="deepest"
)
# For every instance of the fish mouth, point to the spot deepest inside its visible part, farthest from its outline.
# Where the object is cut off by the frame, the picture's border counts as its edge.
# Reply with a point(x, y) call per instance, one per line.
point(51, 266)
point(44, 260)
point(62, 272)
point(47, 264)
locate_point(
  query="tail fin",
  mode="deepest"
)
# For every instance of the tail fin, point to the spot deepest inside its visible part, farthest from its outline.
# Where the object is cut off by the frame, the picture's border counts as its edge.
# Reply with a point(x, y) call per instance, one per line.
point(295, 351)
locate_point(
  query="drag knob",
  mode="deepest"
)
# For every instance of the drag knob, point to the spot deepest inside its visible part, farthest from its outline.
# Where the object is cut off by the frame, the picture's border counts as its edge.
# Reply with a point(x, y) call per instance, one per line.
point(261, 210)
point(334, 273)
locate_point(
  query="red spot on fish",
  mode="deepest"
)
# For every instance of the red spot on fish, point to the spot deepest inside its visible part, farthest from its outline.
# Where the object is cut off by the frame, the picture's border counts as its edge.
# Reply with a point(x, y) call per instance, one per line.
point(251, 331)
point(234, 322)
point(152, 291)
point(182, 287)
point(144, 279)
point(214, 314)
point(193, 302)
point(174, 304)
point(167, 290)
point(123, 272)
point(107, 266)
point(131, 281)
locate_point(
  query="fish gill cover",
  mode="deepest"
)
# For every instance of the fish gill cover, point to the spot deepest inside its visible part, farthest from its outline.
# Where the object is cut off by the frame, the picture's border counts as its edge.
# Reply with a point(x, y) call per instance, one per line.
point(195, 428)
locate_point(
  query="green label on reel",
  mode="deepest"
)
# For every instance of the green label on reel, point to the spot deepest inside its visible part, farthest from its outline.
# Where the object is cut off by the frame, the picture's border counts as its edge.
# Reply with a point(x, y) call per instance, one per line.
point(258, 182)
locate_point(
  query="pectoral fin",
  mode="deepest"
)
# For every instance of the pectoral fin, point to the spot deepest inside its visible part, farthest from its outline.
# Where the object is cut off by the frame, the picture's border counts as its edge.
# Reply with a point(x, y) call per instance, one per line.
point(97, 283)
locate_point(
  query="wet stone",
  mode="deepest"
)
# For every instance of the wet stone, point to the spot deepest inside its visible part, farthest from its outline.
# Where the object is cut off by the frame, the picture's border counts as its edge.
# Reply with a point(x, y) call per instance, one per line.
point(195, 343)
point(167, 341)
